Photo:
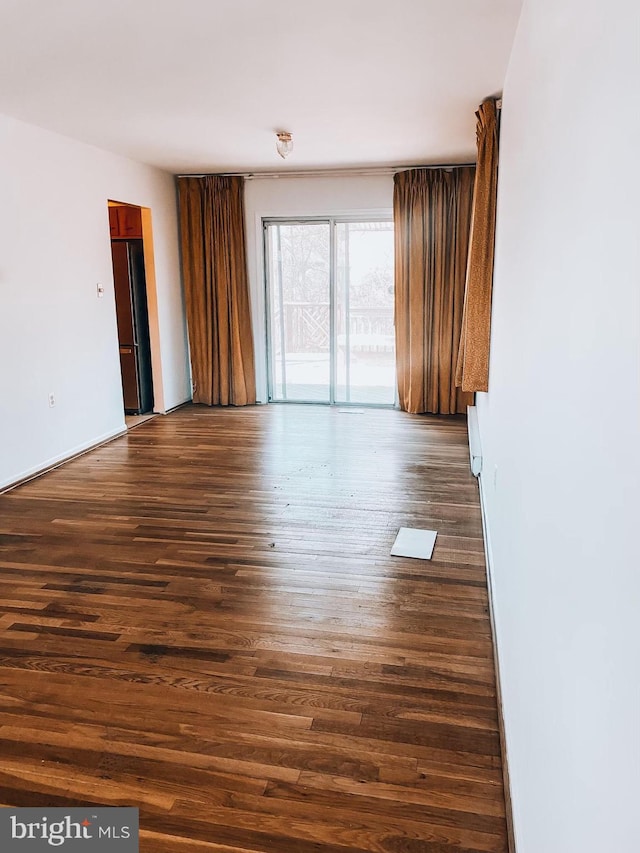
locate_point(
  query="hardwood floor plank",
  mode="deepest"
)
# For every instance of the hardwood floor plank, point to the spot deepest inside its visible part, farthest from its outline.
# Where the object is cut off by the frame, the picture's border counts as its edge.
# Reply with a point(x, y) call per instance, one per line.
point(202, 619)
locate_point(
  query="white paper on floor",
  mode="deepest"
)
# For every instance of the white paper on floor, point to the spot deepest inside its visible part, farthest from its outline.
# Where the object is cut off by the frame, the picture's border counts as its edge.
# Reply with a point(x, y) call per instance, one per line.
point(413, 542)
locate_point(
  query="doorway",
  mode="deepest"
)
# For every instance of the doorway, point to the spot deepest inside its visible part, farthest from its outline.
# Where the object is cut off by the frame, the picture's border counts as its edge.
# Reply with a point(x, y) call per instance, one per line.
point(132, 308)
point(330, 318)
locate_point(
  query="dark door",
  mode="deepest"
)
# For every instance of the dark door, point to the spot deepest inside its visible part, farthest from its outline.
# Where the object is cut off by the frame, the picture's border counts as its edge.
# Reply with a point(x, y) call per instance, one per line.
point(133, 325)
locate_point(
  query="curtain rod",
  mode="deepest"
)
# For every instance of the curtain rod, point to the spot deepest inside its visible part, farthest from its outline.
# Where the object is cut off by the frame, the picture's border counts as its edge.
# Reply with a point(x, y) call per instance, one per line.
point(324, 173)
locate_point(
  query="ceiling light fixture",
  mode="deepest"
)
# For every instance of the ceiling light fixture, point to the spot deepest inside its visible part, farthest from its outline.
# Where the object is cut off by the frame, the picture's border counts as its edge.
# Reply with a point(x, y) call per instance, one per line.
point(284, 145)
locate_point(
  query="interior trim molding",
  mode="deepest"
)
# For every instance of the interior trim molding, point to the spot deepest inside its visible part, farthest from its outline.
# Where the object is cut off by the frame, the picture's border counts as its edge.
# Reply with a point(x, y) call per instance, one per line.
point(475, 448)
point(508, 803)
point(176, 407)
point(57, 461)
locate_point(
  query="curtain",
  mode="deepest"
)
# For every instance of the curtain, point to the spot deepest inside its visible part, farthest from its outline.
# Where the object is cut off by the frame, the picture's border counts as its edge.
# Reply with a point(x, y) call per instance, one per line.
point(472, 369)
point(214, 270)
point(432, 216)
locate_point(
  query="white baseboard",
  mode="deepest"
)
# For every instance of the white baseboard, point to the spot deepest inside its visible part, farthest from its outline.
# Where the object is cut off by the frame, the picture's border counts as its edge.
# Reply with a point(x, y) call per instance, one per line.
point(173, 408)
point(54, 461)
point(475, 448)
point(486, 535)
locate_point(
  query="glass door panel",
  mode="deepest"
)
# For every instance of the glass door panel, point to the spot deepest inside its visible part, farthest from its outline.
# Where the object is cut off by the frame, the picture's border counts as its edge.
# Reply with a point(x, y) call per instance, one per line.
point(299, 284)
point(364, 313)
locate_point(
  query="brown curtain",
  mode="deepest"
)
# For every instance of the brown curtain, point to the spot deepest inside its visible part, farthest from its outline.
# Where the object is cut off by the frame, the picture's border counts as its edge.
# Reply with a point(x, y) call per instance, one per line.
point(214, 269)
point(432, 215)
point(472, 369)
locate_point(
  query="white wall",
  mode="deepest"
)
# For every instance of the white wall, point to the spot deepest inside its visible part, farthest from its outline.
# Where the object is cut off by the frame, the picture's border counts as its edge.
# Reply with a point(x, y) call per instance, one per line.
point(560, 427)
point(353, 195)
point(55, 334)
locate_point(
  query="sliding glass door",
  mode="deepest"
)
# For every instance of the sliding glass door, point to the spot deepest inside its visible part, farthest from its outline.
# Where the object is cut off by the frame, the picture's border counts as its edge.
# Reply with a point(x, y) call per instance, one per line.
point(299, 287)
point(365, 336)
point(330, 311)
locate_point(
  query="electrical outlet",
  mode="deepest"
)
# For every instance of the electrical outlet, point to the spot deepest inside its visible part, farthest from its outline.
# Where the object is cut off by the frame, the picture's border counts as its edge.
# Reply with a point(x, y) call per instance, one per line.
point(52, 400)
point(495, 477)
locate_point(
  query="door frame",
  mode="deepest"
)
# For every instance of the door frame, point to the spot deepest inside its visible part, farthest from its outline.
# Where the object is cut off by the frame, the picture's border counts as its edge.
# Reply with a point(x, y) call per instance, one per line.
point(152, 301)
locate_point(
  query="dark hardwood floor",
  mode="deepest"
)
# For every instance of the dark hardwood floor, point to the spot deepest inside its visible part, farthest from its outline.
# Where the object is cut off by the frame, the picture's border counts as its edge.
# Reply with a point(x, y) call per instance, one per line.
point(202, 619)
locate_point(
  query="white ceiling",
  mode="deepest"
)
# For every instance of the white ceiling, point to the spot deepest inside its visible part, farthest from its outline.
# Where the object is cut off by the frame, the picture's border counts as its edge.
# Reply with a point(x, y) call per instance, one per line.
point(202, 85)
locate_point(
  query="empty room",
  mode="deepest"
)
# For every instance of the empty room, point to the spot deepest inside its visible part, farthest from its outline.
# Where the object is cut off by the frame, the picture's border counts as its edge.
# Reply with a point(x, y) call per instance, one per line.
point(320, 434)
